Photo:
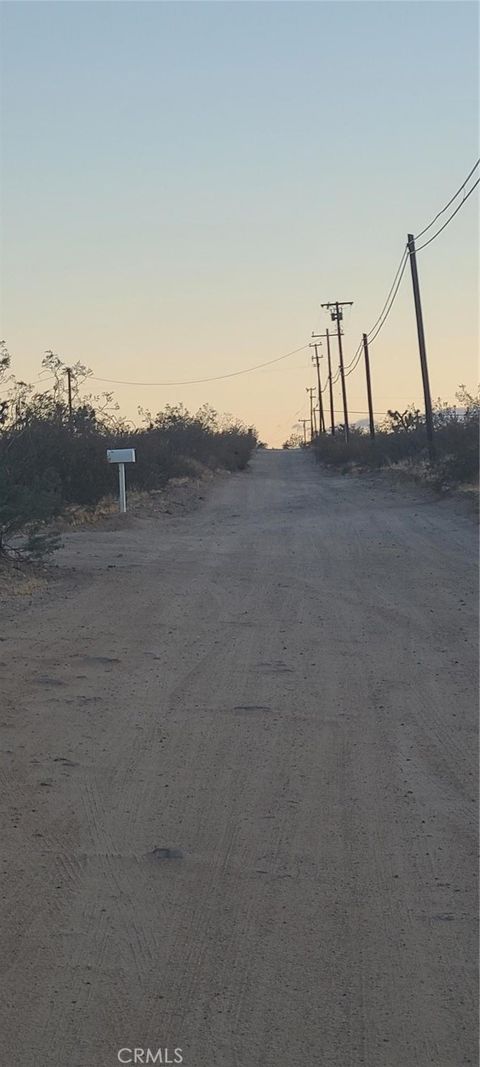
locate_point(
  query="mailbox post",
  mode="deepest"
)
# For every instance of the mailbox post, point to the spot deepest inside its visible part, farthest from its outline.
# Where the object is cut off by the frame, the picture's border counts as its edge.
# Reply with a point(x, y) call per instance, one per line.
point(121, 456)
point(122, 489)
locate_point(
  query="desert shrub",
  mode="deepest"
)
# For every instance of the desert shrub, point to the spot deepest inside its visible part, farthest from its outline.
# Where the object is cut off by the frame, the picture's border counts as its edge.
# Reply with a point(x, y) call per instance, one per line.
point(294, 441)
point(402, 437)
point(24, 509)
point(51, 457)
point(47, 448)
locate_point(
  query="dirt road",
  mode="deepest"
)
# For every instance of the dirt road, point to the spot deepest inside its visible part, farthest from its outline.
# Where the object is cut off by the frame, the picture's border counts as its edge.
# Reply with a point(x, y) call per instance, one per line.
point(239, 781)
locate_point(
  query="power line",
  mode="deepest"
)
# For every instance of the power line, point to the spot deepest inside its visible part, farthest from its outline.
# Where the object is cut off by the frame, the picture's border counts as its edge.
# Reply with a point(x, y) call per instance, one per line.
point(354, 357)
point(354, 360)
point(355, 365)
point(399, 275)
point(444, 209)
point(405, 259)
point(452, 216)
point(200, 381)
point(387, 307)
point(384, 312)
point(392, 301)
point(372, 335)
point(404, 256)
point(353, 412)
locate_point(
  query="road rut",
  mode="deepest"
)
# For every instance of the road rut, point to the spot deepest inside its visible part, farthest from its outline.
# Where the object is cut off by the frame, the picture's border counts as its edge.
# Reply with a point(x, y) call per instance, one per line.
point(239, 784)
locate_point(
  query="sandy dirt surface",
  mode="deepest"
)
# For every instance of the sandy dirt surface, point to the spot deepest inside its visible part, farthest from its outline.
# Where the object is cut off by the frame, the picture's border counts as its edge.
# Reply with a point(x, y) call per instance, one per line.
point(239, 777)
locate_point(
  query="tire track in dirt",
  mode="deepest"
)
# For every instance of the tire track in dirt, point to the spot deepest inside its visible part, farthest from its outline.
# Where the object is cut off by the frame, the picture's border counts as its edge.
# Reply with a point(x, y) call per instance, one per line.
point(263, 842)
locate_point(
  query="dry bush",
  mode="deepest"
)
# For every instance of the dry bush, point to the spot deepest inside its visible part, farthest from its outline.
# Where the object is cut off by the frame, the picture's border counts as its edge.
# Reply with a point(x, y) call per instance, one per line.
point(52, 459)
point(402, 439)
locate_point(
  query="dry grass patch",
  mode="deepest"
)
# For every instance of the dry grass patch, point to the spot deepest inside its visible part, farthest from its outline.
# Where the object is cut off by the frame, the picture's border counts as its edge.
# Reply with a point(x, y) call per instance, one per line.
point(20, 581)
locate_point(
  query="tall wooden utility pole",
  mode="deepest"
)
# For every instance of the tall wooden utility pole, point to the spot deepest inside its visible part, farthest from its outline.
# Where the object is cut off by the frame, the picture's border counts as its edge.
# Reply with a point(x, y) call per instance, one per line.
point(304, 424)
point(70, 405)
point(312, 414)
point(330, 380)
point(369, 386)
point(337, 316)
point(330, 385)
point(316, 359)
point(422, 347)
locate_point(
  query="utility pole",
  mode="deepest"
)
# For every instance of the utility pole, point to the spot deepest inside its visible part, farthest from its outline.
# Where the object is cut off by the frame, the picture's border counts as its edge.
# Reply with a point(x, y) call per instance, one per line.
point(70, 405)
point(312, 414)
point(304, 424)
point(316, 359)
point(330, 380)
point(422, 347)
point(337, 316)
point(330, 384)
point(329, 355)
point(369, 386)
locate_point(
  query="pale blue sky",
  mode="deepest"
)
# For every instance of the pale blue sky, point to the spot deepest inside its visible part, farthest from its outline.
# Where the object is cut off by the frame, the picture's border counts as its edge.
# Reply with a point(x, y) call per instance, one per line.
point(184, 183)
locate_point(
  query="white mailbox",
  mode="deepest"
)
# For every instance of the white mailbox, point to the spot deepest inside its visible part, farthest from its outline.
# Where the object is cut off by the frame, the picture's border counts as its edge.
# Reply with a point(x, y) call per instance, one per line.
point(121, 456)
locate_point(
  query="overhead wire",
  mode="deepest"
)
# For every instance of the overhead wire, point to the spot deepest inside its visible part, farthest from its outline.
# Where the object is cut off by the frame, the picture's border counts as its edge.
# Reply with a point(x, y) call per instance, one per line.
point(392, 301)
point(389, 302)
point(348, 373)
point(452, 216)
point(353, 411)
point(382, 318)
point(353, 363)
point(400, 266)
point(347, 365)
point(200, 381)
point(444, 209)
point(406, 257)
point(372, 334)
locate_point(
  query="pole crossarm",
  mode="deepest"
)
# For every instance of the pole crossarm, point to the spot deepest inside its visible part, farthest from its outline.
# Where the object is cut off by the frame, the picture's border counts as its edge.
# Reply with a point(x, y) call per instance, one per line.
point(322, 335)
